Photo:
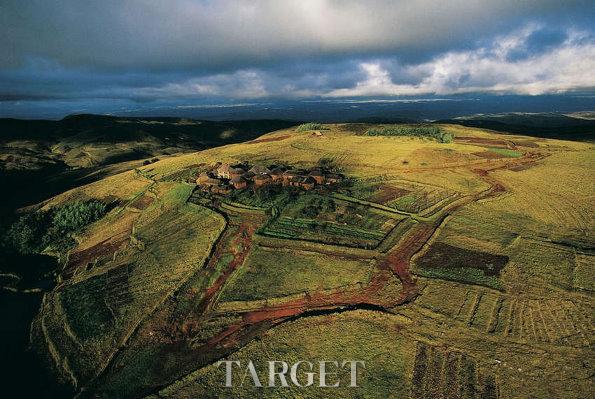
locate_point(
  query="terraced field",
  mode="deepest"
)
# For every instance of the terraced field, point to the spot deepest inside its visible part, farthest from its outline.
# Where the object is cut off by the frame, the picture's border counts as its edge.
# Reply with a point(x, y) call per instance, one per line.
point(419, 270)
point(440, 372)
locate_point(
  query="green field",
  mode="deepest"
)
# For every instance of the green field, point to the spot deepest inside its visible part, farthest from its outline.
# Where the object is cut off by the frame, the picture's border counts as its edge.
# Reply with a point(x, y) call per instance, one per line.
point(332, 221)
point(272, 273)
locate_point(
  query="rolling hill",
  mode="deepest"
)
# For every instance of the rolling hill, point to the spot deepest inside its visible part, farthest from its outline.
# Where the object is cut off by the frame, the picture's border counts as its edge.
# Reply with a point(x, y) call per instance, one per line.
point(577, 126)
point(455, 268)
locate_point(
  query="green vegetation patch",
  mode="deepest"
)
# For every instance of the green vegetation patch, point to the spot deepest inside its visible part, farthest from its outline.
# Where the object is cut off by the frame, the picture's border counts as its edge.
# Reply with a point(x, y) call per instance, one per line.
point(265, 197)
point(421, 130)
point(274, 273)
point(330, 220)
point(36, 231)
point(484, 226)
point(304, 127)
point(506, 152)
point(462, 274)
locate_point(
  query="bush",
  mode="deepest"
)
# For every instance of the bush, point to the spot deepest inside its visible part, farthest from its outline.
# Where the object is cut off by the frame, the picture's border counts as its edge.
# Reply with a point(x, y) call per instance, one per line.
point(447, 138)
point(33, 232)
point(310, 126)
point(77, 215)
point(331, 164)
point(422, 130)
point(25, 236)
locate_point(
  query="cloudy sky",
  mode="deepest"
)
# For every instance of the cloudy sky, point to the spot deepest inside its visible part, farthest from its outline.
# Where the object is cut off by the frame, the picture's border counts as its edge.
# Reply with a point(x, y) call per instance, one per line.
point(73, 55)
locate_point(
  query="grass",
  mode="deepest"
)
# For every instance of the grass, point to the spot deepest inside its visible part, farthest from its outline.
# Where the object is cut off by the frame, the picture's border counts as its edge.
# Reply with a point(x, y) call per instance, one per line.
point(462, 274)
point(422, 130)
point(506, 152)
point(275, 273)
point(363, 335)
point(544, 263)
point(102, 308)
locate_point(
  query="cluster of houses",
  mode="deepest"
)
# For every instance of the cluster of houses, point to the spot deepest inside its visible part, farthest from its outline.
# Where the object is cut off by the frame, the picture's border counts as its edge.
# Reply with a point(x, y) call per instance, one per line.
point(224, 178)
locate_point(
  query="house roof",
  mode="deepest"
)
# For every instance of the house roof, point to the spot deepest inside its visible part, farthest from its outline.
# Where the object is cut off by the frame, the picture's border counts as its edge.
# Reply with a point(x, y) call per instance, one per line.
point(262, 177)
point(278, 171)
point(211, 181)
point(238, 179)
point(236, 171)
point(259, 169)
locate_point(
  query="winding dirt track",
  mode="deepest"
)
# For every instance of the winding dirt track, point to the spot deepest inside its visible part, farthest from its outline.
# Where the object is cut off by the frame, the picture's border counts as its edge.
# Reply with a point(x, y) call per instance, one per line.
point(375, 295)
point(397, 261)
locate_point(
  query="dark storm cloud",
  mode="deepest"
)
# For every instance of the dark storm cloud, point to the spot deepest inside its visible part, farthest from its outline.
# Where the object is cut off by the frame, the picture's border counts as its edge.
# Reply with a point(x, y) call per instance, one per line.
point(237, 34)
point(191, 49)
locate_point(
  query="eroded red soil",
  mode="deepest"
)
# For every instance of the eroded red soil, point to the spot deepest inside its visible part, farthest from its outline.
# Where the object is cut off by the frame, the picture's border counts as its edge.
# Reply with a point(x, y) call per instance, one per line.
point(253, 323)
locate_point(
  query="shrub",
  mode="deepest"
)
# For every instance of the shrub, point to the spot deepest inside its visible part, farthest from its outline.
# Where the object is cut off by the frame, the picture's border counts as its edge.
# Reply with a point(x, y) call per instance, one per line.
point(332, 164)
point(446, 138)
point(25, 236)
point(310, 126)
point(77, 215)
point(33, 232)
point(421, 130)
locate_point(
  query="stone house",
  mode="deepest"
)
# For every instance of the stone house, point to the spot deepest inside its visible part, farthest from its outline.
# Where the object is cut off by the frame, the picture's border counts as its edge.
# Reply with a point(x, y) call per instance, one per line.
point(277, 174)
point(317, 175)
point(238, 182)
point(260, 170)
point(226, 171)
point(262, 180)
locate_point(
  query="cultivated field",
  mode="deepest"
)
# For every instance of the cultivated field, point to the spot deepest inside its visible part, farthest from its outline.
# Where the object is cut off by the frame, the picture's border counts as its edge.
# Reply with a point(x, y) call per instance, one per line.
point(457, 270)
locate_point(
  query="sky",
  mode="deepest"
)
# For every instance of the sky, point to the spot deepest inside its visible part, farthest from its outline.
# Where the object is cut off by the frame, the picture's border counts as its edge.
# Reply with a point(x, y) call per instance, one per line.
point(108, 56)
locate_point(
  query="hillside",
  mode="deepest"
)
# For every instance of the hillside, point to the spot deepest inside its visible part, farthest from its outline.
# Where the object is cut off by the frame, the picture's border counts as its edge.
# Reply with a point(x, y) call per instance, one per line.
point(459, 267)
point(40, 158)
point(578, 126)
point(82, 141)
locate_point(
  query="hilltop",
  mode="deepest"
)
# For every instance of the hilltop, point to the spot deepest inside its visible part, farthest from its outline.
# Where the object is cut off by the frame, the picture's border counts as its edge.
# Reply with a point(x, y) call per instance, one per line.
point(468, 259)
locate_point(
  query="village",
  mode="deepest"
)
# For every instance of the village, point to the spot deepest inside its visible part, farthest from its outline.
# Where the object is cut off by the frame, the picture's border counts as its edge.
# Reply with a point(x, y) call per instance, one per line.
point(224, 178)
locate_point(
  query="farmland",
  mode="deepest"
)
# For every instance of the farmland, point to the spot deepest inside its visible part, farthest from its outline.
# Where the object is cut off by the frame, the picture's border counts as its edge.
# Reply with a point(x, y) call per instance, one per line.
point(444, 269)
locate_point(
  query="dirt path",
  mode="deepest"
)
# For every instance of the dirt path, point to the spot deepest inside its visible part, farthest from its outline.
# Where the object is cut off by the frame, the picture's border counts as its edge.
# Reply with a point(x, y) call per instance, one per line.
point(397, 261)
point(379, 294)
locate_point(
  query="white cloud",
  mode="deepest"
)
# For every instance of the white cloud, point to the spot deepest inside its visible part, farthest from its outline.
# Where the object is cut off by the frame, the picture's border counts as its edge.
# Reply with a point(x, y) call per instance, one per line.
point(566, 67)
point(241, 84)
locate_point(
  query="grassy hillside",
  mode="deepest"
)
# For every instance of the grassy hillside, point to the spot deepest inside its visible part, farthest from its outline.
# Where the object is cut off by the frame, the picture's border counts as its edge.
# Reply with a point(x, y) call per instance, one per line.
point(577, 126)
point(467, 259)
point(85, 141)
